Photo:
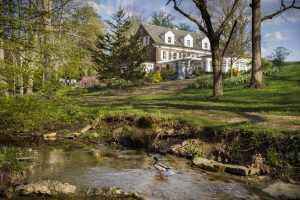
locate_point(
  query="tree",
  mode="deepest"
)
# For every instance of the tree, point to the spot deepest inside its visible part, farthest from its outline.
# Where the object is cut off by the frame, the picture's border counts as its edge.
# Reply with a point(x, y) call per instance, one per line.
point(239, 45)
point(118, 55)
point(257, 75)
point(163, 19)
point(279, 55)
point(39, 39)
point(185, 27)
point(214, 34)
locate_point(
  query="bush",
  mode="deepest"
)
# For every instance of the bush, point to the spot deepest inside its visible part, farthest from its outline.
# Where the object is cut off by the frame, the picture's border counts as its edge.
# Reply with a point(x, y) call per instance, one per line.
point(88, 81)
point(199, 71)
point(157, 77)
point(272, 158)
point(234, 72)
point(268, 68)
point(204, 81)
point(168, 73)
point(121, 83)
point(238, 80)
point(40, 111)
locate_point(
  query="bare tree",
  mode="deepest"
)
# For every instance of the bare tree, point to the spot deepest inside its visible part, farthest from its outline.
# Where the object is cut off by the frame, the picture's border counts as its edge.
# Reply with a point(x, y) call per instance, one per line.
point(214, 34)
point(240, 43)
point(257, 76)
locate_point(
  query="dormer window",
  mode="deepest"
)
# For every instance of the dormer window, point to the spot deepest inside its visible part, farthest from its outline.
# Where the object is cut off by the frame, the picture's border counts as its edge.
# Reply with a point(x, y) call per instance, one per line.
point(205, 43)
point(188, 41)
point(168, 37)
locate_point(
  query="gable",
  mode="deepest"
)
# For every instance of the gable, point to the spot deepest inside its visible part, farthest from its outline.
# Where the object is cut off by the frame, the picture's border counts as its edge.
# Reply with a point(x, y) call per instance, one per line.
point(157, 34)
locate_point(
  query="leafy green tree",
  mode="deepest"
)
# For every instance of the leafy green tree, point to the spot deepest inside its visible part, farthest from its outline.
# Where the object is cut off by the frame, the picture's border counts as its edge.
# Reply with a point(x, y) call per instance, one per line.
point(279, 55)
point(44, 40)
point(118, 55)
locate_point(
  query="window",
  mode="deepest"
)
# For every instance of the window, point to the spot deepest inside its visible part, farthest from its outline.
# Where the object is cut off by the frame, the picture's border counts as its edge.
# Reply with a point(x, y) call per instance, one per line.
point(205, 45)
point(164, 55)
point(242, 66)
point(146, 40)
point(175, 55)
point(169, 40)
point(188, 43)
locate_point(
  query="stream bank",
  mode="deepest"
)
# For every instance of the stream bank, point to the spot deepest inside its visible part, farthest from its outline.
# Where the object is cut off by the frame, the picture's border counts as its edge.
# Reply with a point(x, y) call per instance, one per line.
point(239, 145)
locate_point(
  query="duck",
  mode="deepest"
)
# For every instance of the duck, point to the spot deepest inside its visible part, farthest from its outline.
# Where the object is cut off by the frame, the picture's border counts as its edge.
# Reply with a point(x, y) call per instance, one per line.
point(161, 168)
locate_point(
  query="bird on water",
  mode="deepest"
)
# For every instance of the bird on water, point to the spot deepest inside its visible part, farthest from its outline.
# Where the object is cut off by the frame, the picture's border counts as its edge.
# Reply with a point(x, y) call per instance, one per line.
point(161, 168)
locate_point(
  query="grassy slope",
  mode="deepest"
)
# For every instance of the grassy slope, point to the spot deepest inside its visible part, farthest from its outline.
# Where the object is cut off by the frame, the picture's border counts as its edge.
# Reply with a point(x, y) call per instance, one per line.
point(277, 105)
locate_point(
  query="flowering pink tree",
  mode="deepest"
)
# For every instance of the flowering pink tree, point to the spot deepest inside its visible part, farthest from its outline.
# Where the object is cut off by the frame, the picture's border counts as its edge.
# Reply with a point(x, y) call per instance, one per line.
point(88, 81)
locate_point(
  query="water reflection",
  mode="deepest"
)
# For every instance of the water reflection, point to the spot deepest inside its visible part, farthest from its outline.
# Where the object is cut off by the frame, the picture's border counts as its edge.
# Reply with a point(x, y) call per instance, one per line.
point(130, 170)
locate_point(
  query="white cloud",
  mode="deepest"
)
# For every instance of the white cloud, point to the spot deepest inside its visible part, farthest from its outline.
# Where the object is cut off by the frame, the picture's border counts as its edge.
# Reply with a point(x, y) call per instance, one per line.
point(276, 36)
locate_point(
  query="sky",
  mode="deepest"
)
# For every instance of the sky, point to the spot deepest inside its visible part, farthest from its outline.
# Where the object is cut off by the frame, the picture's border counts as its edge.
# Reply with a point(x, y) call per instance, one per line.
point(284, 30)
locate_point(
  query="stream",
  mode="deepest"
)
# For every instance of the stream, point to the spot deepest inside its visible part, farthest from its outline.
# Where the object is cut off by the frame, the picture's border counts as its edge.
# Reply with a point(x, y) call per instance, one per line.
point(131, 170)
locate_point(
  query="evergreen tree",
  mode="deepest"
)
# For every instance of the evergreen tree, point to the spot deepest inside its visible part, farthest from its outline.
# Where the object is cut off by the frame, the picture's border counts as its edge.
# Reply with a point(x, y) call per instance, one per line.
point(162, 19)
point(118, 55)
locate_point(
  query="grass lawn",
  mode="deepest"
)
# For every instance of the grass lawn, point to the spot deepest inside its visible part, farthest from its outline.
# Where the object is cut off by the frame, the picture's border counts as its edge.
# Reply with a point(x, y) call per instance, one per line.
point(276, 106)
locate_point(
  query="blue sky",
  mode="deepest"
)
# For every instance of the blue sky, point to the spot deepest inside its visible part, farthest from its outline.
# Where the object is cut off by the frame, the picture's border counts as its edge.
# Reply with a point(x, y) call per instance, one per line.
point(281, 31)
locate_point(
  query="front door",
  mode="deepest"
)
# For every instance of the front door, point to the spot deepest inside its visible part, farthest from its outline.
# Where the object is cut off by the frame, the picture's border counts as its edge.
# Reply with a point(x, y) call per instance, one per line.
point(180, 70)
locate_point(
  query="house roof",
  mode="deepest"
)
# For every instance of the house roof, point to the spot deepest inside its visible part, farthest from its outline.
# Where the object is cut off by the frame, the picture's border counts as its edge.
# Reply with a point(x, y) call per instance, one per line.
point(156, 32)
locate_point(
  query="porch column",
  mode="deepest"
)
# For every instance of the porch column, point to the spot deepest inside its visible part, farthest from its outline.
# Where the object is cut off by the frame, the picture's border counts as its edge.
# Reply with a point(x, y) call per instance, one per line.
point(189, 68)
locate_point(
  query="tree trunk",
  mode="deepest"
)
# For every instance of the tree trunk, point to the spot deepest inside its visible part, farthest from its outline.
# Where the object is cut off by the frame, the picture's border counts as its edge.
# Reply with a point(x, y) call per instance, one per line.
point(30, 62)
point(217, 70)
point(3, 83)
point(21, 79)
point(21, 82)
point(47, 39)
point(231, 66)
point(257, 76)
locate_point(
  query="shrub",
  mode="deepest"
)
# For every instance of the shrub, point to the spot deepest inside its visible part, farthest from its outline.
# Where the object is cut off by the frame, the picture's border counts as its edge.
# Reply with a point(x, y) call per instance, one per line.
point(272, 158)
point(233, 72)
point(268, 68)
point(157, 77)
point(88, 81)
point(238, 80)
point(40, 111)
point(204, 81)
point(199, 71)
point(167, 73)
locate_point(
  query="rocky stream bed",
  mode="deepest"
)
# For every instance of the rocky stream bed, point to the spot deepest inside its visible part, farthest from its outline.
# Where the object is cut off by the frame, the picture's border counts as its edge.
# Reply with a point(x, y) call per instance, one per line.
point(113, 158)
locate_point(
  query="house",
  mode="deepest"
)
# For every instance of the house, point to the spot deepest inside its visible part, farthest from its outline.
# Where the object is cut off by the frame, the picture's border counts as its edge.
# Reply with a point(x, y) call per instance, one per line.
point(182, 51)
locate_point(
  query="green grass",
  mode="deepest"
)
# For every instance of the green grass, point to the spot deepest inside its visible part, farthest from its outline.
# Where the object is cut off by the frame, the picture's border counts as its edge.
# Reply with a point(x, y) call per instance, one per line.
point(278, 102)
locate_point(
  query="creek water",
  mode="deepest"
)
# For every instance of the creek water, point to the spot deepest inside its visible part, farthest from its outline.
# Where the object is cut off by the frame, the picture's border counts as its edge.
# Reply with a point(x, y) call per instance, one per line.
point(132, 171)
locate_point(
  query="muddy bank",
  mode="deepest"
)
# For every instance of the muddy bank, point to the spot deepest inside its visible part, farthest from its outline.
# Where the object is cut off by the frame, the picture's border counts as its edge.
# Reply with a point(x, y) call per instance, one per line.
point(238, 145)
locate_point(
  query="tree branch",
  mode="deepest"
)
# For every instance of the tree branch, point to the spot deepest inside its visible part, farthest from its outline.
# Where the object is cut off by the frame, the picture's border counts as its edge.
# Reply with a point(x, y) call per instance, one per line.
point(201, 5)
point(228, 17)
point(229, 38)
point(176, 7)
point(283, 8)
